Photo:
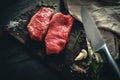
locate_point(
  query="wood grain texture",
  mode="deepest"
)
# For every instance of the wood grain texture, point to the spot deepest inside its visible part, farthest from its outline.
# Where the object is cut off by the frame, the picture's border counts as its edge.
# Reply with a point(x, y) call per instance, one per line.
point(62, 62)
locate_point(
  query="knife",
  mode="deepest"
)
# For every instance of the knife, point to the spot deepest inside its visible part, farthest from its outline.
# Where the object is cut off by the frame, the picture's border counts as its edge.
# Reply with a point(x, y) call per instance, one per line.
point(96, 40)
point(73, 8)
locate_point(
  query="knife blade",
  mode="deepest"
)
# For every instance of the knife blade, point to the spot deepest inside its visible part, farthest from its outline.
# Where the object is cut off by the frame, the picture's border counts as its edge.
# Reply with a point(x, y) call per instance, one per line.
point(73, 8)
point(96, 40)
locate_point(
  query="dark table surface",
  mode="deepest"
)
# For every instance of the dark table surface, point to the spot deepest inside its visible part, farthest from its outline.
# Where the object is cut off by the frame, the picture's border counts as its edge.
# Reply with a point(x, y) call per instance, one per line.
point(17, 62)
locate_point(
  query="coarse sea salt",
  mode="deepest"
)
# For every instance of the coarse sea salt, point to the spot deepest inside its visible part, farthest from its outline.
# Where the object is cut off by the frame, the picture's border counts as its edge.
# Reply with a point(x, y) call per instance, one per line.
point(13, 24)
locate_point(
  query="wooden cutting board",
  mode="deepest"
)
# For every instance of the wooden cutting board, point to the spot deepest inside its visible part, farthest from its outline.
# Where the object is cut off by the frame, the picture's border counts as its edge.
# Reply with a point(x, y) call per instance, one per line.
point(17, 27)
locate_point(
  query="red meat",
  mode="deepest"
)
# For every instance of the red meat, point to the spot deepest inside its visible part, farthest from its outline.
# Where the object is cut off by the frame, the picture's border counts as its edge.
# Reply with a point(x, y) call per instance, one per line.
point(58, 33)
point(39, 23)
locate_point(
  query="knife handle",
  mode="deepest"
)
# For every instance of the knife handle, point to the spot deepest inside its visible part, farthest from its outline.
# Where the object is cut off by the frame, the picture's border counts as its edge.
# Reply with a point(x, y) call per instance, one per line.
point(110, 60)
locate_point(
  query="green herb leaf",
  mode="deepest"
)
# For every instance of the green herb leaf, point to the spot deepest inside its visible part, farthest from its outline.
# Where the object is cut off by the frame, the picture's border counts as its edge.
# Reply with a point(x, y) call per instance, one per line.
point(95, 66)
point(48, 3)
point(77, 35)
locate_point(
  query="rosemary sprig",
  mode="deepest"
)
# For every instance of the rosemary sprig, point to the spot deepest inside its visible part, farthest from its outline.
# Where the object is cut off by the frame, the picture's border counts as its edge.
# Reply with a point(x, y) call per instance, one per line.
point(48, 3)
point(77, 35)
point(95, 65)
point(51, 3)
point(95, 68)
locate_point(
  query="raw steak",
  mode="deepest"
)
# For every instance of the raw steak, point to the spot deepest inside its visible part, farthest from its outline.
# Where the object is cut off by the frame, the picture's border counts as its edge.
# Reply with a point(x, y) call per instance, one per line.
point(58, 33)
point(39, 23)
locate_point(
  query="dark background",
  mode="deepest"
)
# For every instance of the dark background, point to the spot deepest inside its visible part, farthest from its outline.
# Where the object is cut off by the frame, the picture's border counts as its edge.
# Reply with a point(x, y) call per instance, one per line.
point(16, 61)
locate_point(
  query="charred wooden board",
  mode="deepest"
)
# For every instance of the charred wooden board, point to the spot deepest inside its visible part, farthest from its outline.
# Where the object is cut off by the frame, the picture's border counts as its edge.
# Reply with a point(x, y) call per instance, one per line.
point(17, 27)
